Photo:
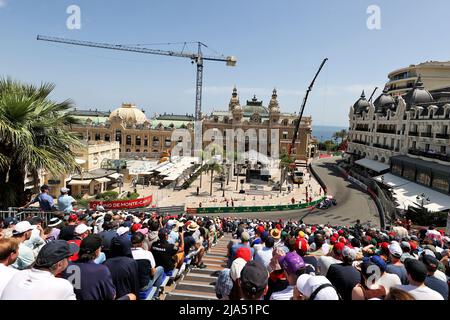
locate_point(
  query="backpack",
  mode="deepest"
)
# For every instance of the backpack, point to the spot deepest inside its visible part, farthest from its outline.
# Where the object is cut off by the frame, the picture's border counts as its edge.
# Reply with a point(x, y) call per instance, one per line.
point(323, 286)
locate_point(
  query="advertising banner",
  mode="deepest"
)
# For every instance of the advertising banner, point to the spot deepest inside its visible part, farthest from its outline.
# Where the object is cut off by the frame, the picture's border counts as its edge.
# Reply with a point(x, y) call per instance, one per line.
point(122, 204)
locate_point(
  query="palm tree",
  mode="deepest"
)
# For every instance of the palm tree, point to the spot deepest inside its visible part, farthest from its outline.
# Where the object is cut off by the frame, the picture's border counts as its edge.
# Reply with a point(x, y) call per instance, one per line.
point(213, 166)
point(33, 137)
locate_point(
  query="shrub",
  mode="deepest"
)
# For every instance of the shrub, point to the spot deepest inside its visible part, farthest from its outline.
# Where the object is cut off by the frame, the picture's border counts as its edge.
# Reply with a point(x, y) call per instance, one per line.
point(107, 196)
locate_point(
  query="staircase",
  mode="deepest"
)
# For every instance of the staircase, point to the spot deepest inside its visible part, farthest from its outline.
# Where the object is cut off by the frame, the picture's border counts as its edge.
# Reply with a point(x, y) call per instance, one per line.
point(199, 284)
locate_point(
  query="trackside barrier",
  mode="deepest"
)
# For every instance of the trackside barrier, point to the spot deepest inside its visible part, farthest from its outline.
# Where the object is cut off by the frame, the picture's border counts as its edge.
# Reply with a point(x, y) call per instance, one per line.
point(254, 208)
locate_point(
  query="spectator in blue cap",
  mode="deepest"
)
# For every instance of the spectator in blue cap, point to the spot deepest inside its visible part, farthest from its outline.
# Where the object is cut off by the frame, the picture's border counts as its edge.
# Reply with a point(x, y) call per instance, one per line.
point(265, 254)
point(387, 280)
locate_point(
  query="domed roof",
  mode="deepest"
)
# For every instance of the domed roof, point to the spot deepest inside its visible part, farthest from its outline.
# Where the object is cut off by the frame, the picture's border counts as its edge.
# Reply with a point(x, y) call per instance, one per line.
point(418, 94)
point(362, 104)
point(254, 106)
point(384, 101)
point(128, 113)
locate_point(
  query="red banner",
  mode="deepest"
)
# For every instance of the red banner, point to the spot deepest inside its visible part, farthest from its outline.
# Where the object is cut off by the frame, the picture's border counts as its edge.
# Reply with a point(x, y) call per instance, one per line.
point(122, 204)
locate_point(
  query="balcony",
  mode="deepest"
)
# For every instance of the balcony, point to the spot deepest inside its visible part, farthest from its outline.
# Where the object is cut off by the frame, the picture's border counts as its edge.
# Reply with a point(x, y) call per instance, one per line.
point(442, 136)
point(377, 145)
point(430, 154)
point(360, 142)
point(361, 129)
point(413, 133)
point(426, 134)
point(386, 131)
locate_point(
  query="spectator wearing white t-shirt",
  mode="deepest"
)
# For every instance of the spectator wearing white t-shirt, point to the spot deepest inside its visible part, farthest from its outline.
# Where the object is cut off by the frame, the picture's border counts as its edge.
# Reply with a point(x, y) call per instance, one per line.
point(22, 232)
point(9, 251)
point(417, 273)
point(40, 282)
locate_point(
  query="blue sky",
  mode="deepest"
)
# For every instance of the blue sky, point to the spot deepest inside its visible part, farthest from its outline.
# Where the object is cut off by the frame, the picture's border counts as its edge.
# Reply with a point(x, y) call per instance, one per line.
point(277, 43)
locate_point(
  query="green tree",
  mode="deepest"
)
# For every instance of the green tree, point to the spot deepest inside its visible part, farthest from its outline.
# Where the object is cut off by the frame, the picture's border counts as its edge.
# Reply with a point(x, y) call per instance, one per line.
point(33, 137)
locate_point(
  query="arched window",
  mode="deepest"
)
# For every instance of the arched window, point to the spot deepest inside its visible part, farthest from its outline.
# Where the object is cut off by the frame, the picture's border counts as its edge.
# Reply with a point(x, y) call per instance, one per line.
point(97, 137)
point(145, 141)
point(138, 140)
point(128, 140)
point(107, 138)
point(128, 150)
point(155, 142)
point(119, 136)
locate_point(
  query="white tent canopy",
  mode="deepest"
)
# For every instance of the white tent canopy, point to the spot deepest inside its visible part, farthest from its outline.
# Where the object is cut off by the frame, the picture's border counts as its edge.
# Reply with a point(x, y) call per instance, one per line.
point(372, 165)
point(405, 193)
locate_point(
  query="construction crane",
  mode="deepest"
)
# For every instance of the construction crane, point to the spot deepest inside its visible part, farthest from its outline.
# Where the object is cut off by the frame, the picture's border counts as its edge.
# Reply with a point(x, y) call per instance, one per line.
point(302, 108)
point(197, 58)
point(371, 96)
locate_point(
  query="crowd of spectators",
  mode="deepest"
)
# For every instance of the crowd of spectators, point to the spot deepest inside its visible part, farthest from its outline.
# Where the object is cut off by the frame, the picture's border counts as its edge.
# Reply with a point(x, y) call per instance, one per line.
point(98, 255)
point(289, 260)
point(106, 255)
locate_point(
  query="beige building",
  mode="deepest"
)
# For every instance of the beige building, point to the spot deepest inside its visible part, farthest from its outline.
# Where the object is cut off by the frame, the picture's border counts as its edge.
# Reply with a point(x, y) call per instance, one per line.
point(256, 117)
point(434, 75)
point(94, 176)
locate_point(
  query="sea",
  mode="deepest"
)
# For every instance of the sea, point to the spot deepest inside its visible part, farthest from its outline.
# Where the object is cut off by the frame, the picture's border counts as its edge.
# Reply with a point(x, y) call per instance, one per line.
point(323, 133)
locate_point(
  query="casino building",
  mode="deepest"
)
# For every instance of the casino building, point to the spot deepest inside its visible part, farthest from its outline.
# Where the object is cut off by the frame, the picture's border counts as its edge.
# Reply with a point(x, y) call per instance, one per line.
point(143, 137)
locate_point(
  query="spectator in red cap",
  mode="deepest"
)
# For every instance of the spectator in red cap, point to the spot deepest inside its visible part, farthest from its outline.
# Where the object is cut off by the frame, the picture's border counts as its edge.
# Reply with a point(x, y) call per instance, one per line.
point(301, 247)
point(68, 232)
point(244, 253)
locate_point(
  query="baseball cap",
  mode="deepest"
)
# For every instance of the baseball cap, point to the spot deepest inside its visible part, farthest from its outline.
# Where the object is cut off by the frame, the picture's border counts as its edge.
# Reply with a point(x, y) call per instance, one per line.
point(349, 253)
point(377, 260)
point(22, 227)
point(338, 247)
point(44, 187)
point(244, 253)
point(55, 251)
point(430, 261)
point(122, 230)
point(73, 217)
point(90, 244)
point(36, 220)
point(143, 231)
point(307, 284)
point(81, 228)
point(245, 236)
point(395, 249)
point(136, 227)
point(291, 262)
point(64, 190)
point(9, 221)
point(417, 269)
point(275, 233)
point(254, 278)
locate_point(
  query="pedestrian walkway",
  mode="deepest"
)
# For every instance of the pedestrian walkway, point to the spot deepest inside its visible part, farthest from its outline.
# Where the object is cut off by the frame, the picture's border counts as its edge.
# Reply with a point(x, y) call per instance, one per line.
point(199, 284)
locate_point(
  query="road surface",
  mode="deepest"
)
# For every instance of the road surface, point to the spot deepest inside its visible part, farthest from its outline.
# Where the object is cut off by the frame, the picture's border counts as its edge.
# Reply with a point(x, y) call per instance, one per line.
point(352, 202)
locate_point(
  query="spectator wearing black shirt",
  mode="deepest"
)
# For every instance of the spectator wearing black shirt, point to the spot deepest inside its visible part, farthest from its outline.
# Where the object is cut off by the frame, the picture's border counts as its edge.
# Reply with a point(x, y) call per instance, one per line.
point(109, 232)
point(124, 270)
point(163, 251)
point(343, 276)
point(94, 281)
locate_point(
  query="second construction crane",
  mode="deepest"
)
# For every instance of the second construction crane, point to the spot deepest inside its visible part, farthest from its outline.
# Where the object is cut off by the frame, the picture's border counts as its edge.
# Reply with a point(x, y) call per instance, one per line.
point(197, 58)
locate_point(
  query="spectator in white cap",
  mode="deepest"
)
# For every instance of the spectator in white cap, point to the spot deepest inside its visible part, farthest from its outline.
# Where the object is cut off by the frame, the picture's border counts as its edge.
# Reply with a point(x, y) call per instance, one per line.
point(65, 202)
point(81, 232)
point(314, 288)
point(235, 273)
point(395, 265)
point(22, 232)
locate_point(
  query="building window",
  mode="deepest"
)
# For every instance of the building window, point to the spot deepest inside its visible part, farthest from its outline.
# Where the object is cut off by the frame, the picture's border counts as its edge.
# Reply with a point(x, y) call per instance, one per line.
point(97, 137)
point(440, 183)
point(397, 168)
point(128, 140)
point(423, 177)
point(107, 138)
point(128, 150)
point(409, 173)
point(443, 149)
point(167, 142)
point(145, 141)
point(138, 150)
point(427, 147)
point(155, 142)
point(138, 140)
point(119, 136)
point(285, 134)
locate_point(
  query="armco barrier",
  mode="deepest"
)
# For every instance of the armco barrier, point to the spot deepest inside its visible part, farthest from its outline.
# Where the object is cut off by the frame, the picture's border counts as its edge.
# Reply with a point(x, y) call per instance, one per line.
point(253, 208)
point(318, 179)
